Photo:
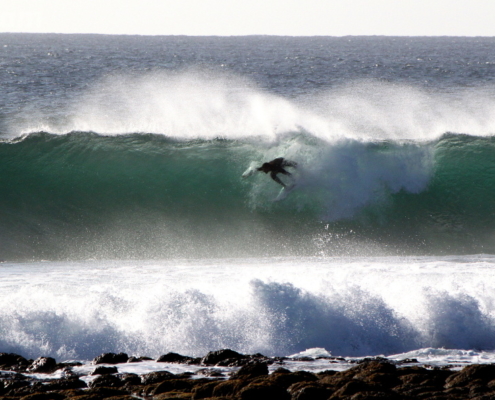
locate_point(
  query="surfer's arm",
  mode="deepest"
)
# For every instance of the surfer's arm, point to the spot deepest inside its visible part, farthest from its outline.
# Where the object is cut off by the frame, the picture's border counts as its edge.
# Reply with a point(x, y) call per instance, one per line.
point(287, 163)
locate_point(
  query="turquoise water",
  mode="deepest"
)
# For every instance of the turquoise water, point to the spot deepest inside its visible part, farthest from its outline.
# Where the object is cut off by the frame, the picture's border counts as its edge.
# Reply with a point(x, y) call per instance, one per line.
point(83, 196)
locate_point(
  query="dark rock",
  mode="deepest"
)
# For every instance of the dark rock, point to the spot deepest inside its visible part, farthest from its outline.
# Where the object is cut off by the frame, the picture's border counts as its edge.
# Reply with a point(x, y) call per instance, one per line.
point(105, 370)
point(470, 373)
point(409, 361)
point(65, 384)
point(238, 360)
point(413, 379)
point(229, 388)
point(310, 391)
point(11, 385)
point(105, 392)
point(477, 388)
point(251, 371)
point(171, 396)
point(67, 372)
point(156, 377)
point(287, 380)
point(437, 378)
point(459, 391)
point(215, 357)
point(128, 378)
point(111, 381)
point(133, 359)
point(68, 365)
point(45, 365)
point(111, 358)
point(417, 391)
point(44, 396)
point(369, 368)
point(185, 375)
point(351, 388)
point(12, 376)
point(209, 372)
point(13, 362)
point(379, 379)
point(377, 396)
point(174, 385)
point(327, 372)
point(336, 380)
point(281, 370)
point(203, 391)
point(263, 391)
point(173, 358)
point(483, 397)
point(373, 359)
point(194, 361)
point(411, 370)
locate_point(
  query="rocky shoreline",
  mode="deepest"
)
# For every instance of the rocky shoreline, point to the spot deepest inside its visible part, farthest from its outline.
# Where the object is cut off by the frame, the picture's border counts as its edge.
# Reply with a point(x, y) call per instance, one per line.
point(249, 379)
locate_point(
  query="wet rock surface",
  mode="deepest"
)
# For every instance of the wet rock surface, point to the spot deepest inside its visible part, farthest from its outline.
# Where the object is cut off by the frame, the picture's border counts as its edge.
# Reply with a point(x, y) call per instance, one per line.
point(249, 380)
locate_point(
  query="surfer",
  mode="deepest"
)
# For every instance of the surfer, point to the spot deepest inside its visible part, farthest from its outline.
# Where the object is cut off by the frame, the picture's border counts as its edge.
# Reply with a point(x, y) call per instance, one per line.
point(275, 167)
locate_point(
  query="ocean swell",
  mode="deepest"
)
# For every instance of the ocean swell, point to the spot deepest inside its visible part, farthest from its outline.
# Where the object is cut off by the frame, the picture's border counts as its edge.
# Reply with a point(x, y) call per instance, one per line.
point(84, 195)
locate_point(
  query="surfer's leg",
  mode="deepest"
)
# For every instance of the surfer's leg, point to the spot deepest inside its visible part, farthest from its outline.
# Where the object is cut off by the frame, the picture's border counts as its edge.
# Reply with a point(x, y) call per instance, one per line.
point(276, 179)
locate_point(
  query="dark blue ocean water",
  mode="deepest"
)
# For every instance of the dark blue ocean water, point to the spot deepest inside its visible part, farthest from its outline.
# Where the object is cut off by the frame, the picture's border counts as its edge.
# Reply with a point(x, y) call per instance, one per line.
point(41, 73)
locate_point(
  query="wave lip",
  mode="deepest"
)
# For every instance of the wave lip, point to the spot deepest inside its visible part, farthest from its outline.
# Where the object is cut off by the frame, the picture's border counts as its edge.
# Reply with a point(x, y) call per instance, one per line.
point(201, 104)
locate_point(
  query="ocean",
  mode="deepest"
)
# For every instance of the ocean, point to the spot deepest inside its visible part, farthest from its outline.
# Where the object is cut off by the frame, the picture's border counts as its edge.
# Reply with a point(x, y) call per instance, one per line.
point(125, 224)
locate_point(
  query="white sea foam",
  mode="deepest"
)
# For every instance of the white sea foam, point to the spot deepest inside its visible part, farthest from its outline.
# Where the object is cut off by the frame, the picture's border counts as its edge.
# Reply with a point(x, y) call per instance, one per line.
point(350, 307)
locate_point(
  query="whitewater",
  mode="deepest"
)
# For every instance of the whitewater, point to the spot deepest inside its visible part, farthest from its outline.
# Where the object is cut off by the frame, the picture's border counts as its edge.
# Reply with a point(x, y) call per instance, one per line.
point(125, 225)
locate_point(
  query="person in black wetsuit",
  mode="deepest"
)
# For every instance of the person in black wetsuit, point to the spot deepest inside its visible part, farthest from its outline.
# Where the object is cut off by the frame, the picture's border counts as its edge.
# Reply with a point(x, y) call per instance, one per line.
point(275, 167)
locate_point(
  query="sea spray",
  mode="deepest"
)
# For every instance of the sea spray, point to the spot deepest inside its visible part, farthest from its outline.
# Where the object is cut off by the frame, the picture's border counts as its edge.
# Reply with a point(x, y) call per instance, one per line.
point(349, 306)
point(203, 104)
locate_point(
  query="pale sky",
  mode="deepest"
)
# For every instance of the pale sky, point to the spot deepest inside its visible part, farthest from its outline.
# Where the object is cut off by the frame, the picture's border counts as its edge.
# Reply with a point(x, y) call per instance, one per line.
point(248, 17)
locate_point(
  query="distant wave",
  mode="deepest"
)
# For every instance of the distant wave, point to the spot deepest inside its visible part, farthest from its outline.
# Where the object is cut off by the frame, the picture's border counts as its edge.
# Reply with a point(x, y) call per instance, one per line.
point(83, 195)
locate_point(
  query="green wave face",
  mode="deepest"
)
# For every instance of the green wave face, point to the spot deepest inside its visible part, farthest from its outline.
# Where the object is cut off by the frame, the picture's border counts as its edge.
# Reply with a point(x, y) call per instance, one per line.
point(81, 196)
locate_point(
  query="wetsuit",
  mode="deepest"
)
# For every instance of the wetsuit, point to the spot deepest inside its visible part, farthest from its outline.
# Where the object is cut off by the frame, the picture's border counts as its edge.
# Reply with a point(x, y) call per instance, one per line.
point(275, 167)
